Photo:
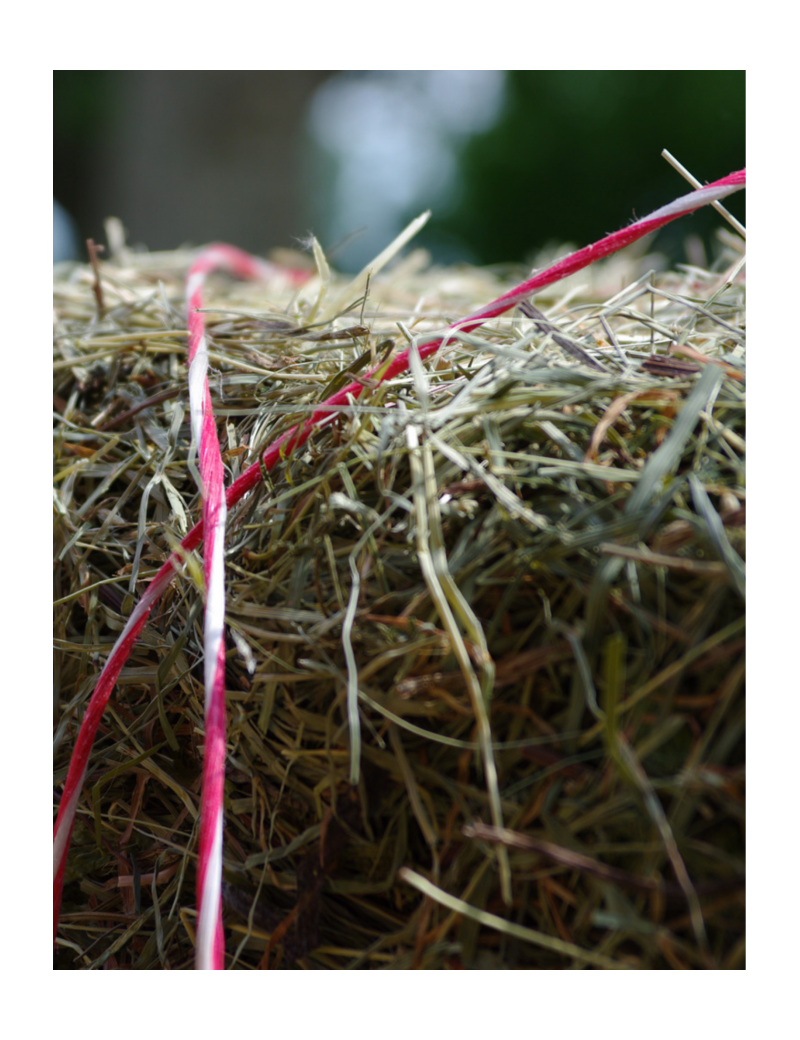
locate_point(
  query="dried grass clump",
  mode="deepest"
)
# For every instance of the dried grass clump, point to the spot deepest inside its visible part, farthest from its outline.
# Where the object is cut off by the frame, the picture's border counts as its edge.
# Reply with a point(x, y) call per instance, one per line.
point(543, 526)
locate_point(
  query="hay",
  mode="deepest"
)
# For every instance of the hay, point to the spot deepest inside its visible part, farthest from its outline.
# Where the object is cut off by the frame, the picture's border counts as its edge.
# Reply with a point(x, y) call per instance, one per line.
point(531, 545)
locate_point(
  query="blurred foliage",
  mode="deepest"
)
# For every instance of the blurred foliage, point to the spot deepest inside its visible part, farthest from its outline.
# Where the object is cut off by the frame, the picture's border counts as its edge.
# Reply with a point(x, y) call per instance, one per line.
point(573, 152)
point(570, 157)
point(84, 105)
point(81, 101)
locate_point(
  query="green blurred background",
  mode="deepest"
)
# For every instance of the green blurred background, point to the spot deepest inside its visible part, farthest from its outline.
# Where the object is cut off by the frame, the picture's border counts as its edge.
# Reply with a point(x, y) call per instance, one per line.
point(509, 162)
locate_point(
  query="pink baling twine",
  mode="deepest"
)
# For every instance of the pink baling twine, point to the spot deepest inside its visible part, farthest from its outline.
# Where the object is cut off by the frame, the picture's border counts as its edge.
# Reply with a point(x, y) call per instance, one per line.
point(210, 940)
point(210, 945)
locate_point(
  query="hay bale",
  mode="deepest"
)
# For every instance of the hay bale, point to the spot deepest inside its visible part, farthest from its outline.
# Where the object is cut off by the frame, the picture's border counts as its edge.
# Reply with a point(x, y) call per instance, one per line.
point(522, 561)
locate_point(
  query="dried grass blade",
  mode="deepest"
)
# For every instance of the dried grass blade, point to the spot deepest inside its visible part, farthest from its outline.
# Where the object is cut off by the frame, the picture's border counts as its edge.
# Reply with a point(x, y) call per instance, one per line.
point(449, 601)
point(516, 931)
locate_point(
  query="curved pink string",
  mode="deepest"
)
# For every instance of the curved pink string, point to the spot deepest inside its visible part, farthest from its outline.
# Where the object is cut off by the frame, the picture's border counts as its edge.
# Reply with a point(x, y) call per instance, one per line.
point(210, 941)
